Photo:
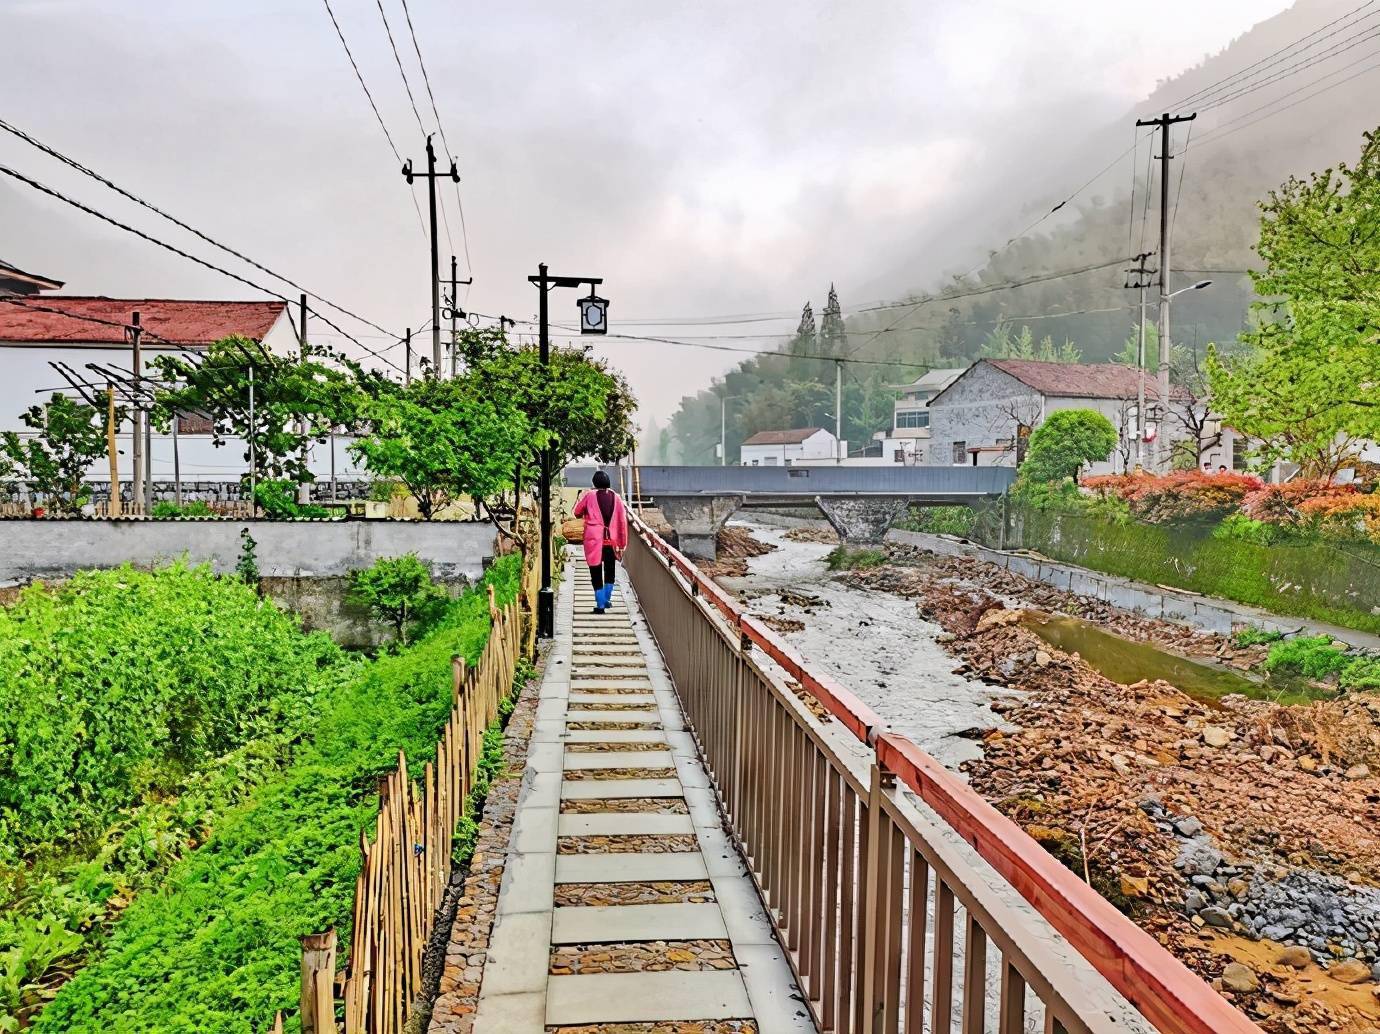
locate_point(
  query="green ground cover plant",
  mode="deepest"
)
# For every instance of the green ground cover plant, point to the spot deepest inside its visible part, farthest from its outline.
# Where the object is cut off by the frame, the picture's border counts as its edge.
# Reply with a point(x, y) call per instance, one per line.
point(216, 948)
point(134, 707)
point(841, 558)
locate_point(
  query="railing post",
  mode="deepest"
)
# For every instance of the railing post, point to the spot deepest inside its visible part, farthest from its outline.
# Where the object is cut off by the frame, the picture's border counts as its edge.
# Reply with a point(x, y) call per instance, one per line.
point(740, 681)
point(870, 1003)
point(318, 979)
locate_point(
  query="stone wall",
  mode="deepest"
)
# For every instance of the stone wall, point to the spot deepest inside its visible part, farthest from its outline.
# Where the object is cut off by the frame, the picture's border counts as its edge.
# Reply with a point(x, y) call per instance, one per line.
point(454, 551)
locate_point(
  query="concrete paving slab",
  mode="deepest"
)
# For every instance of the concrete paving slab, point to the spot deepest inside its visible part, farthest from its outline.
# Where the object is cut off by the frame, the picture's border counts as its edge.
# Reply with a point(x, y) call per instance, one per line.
point(630, 868)
point(613, 824)
point(519, 953)
point(776, 1002)
point(527, 883)
point(511, 1014)
point(614, 789)
point(637, 714)
point(646, 997)
point(611, 924)
point(534, 831)
point(619, 759)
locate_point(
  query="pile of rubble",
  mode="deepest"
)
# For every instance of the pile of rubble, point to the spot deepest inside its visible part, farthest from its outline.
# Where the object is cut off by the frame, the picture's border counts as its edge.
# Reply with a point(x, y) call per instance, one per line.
point(735, 546)
point(1213, 824)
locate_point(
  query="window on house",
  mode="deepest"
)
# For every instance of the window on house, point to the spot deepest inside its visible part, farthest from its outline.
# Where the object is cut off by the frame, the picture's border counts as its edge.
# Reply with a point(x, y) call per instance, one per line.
point(788, 463)
point(754, 463)
point(913, 418)
point(898, 456)
point(769, 461)
point(960, 452)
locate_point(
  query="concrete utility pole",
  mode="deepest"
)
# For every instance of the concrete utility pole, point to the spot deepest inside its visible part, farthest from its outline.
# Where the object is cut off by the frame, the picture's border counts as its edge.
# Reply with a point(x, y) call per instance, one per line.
point(407, 360)
point(139, 473)
point(838, 411)
point(454, 312)
point(111, 448)
point(303, 487)
point(434, 271)
point(1163, 123)
point(1141, 283)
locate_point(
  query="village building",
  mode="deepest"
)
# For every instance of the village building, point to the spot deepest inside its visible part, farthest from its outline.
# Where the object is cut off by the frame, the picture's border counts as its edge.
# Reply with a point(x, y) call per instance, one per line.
point(985, 415)
point(800, 445)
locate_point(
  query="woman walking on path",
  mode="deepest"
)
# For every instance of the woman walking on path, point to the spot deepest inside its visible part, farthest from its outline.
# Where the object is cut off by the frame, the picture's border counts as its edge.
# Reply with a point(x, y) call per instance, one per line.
point(606, 536)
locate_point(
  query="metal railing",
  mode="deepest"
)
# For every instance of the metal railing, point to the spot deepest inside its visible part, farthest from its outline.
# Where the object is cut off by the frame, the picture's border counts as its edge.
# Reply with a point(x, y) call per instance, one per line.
point(904, 900)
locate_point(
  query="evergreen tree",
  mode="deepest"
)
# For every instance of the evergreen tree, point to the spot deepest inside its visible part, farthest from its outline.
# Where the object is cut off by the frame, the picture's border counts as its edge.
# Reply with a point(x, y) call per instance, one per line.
point(832, 336)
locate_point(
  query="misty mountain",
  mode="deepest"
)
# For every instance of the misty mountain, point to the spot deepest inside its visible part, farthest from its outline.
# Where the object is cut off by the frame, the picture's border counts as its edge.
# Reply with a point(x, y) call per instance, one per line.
point(1290, 96)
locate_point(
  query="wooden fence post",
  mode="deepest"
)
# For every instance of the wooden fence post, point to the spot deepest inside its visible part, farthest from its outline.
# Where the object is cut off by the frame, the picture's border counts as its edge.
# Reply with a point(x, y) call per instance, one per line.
point(318, 978)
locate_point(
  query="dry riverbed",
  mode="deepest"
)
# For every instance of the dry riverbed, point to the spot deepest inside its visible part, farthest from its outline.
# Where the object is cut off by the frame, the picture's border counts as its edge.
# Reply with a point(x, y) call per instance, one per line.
point(1243, 833)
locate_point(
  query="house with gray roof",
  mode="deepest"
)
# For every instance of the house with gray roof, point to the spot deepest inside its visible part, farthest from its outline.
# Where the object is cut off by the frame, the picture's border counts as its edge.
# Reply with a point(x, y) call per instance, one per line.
point(984, 416)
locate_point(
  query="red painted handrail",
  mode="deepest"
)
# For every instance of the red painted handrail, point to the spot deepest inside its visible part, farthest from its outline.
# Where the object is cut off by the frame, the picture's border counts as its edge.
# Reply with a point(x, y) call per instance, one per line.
point(1163, 989)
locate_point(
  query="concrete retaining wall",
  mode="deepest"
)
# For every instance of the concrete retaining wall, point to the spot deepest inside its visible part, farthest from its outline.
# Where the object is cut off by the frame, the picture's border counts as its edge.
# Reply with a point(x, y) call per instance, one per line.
point(454, 551)
point(1208, 614)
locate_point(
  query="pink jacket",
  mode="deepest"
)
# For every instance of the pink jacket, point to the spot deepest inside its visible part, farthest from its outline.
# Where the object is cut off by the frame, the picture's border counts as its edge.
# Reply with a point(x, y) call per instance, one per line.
point(596, 536)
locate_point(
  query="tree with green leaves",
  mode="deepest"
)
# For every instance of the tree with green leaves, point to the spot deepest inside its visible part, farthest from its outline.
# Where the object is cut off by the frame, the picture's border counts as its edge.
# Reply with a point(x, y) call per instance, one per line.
point(67, 437)
point(444, 440)
point(1307, 387)
point(398, 590)
point(322, 390)
point(577, 407)
point(1002, 344)
point(1065, 443)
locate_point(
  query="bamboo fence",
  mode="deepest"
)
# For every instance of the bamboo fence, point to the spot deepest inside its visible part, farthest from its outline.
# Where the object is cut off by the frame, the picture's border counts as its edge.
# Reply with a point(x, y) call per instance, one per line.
point(404, 870)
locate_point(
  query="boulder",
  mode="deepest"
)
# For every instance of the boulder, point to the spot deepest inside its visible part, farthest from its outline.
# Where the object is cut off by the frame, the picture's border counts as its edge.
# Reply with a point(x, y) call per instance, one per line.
point(1198, 858)
point(1240, 978)
point(1216, 736)
point(1351, 972)
point(1358, 772)
point(1215, 916)
point(1189, 827)
point(1294, 956)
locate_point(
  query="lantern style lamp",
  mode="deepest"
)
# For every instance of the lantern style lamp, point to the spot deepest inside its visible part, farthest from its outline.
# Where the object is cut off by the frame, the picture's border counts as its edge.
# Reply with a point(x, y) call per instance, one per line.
point(594, 313)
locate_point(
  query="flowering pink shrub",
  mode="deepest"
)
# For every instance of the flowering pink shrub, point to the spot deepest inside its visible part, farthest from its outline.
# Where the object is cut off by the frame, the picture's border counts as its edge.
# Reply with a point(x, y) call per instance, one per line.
point(1182, 495)
point(1288, 505)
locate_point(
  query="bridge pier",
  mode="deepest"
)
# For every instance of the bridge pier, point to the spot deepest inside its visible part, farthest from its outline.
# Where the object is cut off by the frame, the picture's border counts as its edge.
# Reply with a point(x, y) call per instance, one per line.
point(861, 518)
point(697, 520)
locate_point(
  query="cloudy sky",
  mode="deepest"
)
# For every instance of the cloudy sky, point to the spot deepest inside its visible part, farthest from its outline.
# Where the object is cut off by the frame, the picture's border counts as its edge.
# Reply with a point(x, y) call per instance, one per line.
point(707, 158)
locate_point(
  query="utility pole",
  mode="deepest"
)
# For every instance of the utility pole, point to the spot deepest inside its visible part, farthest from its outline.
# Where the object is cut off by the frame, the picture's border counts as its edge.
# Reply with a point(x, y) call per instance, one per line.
point(407, 361)
point(544, 282)
point(838, 411)
point(433, 271)
point(455, 313)
point(303, 487)
point(1141, 283)
point(723, 426)
point(114, 508)
point(253, 458)
point(136, 487)
point(1163, 123)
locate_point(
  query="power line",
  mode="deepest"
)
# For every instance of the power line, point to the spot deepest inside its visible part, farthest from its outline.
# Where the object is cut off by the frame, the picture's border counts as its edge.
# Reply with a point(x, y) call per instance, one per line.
point(73, 163)
point(441, 128)
point(386, 135)
point(1292, 70)
point(6, 170)
point(406, 85)
point(1266, 62)
point(1183, 163)
point(1239, 122)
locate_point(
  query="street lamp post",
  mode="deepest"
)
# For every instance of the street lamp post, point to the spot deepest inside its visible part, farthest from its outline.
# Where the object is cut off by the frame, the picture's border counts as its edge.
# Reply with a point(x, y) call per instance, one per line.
point(723, 424)
point(1161, 442)
point(593, 320)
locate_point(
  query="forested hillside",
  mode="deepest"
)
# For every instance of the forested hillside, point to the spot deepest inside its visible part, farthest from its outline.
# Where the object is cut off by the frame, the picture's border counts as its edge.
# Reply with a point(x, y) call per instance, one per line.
point(1290, 96)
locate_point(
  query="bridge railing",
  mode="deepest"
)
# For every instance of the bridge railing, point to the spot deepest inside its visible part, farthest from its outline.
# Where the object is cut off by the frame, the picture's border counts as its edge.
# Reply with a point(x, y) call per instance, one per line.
point(904, 900)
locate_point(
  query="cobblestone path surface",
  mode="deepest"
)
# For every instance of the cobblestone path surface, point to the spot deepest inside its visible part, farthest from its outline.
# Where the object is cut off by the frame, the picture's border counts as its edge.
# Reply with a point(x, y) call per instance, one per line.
point(623, 906)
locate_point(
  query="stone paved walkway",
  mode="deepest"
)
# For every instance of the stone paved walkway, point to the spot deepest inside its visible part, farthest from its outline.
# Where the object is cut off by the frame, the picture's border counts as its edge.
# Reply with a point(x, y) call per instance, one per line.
point(623, 904)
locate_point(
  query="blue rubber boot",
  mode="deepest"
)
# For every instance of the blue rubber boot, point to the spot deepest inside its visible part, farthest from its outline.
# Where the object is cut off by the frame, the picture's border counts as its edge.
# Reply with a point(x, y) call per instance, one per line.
point(603, 596)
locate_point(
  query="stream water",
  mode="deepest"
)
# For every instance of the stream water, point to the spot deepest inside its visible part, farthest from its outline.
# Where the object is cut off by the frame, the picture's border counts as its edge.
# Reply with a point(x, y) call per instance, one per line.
point(874, 643)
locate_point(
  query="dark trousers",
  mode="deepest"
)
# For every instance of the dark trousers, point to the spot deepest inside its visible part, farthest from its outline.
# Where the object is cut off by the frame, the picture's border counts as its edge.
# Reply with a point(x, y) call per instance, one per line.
point(601, 574)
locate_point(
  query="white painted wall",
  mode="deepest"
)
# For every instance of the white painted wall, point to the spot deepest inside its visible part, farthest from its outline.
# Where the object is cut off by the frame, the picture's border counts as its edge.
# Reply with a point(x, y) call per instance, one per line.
point(821, 445)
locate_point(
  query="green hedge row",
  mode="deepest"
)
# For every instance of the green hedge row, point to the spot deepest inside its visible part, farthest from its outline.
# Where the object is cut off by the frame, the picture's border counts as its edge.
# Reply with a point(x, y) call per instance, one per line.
point(216, 948)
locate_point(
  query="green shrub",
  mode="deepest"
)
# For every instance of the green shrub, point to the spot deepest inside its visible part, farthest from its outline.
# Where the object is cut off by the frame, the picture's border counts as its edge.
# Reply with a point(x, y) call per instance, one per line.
point(216, 949)
point(1312, 656)
point(1242, 528)
point(1252, 636)
point(195, 508)
point(939, 520)
point(279, 499)
point(841, 558)
point(398, 590)
point(1363, 673)
point(1065, 442)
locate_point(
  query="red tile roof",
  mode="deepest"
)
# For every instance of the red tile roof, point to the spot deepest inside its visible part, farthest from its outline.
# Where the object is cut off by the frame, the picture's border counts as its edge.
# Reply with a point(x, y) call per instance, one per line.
point(100, 320)
point(1078, 380)
point(792, 437)
point(32, 280)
